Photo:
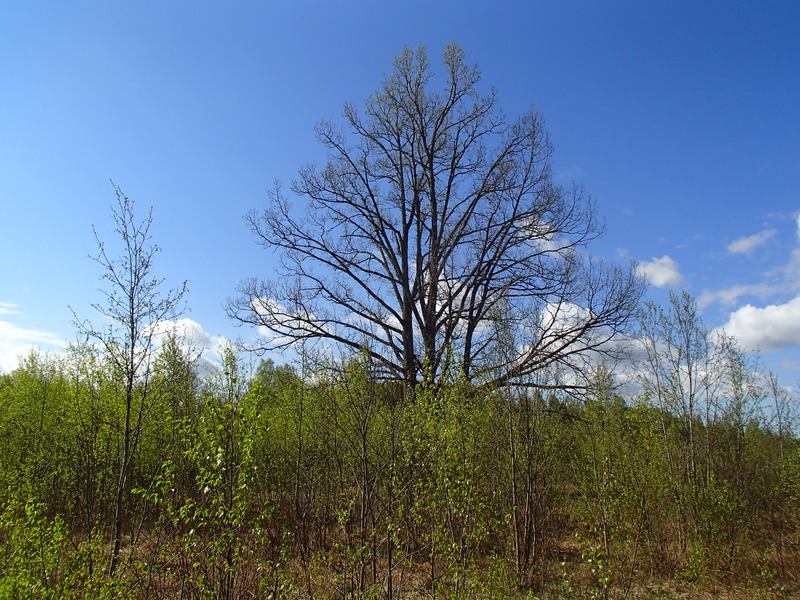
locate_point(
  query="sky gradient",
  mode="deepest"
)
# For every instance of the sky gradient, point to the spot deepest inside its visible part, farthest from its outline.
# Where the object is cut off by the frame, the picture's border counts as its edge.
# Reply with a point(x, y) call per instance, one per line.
point(681, 120)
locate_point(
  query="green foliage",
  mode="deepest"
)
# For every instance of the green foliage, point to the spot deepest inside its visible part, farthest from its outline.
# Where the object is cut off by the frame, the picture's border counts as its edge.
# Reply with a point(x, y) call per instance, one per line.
point(36, 401)
point(446, 443)
point(33, 551)
point(38, 560)
point(333, 483)
point(697, 563)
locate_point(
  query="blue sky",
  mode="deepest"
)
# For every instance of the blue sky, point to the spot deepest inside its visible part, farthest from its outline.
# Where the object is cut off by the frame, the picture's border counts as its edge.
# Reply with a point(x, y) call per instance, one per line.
point(681, 119)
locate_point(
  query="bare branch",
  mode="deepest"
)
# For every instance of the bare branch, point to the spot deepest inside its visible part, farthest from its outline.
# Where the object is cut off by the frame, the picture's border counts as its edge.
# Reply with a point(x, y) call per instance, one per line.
point(433, 218)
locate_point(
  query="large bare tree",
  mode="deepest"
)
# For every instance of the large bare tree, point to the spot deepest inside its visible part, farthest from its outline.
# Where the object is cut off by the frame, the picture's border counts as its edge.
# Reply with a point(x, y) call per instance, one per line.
point(434, 236)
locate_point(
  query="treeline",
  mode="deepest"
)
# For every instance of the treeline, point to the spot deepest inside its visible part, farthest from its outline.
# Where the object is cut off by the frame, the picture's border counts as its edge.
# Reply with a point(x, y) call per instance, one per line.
point(293, 482)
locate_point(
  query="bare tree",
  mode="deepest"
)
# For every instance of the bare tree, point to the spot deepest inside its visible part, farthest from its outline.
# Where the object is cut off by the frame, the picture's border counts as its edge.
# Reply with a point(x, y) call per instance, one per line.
point(134, 305)
point(676, 366)
point(783, 404)
point(434, 219)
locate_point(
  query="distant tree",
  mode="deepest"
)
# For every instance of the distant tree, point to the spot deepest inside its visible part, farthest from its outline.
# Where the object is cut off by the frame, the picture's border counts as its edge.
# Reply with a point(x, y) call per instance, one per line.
point(176, 374)
point(784, 403)
point(676, 366)
point(434, 220)
point(270, 377)
point(134, 305)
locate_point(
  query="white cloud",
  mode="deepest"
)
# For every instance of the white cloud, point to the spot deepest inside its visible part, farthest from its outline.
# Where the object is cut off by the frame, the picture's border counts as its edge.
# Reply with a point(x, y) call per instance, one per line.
point(8, 309)
point(17, 341)
point(730, 296)
point(746, 244)
point(661, 272)
point(791, 271)
point(773, 327)
point(194, 338)
point(780, 279)
point(299, 322)
point(559, 319)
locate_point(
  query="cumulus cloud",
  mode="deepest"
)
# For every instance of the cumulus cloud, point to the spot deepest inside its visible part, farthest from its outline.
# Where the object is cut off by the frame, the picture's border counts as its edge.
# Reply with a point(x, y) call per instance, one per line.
point(558, 318)
point(194, 338)
point(773, 327)
point(746, 245)
point(18, 341)
point(661, 272)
